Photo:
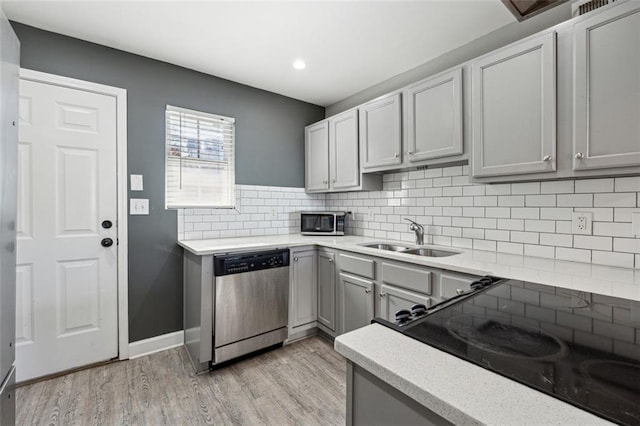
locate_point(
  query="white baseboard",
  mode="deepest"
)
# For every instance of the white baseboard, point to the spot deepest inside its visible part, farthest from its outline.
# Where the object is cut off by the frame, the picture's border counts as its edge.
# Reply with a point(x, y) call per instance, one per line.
point(156, 344)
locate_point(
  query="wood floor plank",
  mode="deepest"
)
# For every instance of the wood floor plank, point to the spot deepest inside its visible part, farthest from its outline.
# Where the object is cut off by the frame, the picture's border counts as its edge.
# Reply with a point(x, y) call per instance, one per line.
point(299, 384)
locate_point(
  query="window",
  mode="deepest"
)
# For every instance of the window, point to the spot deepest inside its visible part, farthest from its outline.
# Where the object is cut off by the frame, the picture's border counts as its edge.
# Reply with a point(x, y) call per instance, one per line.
point(200, 160)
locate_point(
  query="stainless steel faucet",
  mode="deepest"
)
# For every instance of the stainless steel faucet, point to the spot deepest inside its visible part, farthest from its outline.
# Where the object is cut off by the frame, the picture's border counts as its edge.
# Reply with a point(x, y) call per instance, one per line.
point(418, 229)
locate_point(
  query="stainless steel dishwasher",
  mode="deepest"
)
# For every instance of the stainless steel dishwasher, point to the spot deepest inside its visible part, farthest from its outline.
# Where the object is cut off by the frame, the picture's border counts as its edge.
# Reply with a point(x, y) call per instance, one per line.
point(251, 295)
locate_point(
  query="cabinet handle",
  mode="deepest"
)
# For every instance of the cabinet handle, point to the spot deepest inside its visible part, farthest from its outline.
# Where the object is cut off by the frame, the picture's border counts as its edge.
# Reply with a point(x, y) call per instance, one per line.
point(383, 294)
point(295, 259)
point(410, 152)
point(579, 156)
point(366, 290)
point(334, 181)
point(330, 260)
point(546, 158)
point(459, 291)
point(397, 155)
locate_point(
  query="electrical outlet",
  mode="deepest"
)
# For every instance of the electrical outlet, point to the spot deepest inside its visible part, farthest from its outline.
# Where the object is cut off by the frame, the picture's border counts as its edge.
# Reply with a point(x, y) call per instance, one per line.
point(138, 206)
point(273, 214)
point(581, 222)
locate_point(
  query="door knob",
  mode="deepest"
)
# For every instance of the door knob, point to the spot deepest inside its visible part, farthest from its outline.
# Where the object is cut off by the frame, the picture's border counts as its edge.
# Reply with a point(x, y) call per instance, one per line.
point(366, 290)
point(106, 224)
point(579, 156)
point(330, 260)
point(295, 259)
point(383, 294)
point(106, 242)
point(546, 158)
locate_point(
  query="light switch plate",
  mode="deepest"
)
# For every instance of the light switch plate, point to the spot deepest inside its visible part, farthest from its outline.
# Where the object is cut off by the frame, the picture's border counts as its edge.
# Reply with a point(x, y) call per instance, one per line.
point(138, 206)
point(635, 223)
point(136, 183)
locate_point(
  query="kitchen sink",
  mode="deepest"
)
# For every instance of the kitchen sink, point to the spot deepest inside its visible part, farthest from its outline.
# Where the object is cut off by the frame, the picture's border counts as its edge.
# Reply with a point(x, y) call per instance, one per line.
point(430, 252)
point(420, 251)
point(389, 247)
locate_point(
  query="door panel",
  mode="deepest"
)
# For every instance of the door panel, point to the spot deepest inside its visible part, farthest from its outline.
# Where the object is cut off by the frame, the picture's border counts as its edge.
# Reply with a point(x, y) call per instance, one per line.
point(434, 117)
point(394, 299)
point(343, 146)
point(327, 289)
point(357, 302)
point(514, 109)
point(607, 90)
point(317, 157)
point(381, 132)
point(67, 297)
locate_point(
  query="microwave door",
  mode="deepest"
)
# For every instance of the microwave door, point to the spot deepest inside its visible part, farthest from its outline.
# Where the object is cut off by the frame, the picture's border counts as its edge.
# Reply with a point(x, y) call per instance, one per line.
point(326, 223)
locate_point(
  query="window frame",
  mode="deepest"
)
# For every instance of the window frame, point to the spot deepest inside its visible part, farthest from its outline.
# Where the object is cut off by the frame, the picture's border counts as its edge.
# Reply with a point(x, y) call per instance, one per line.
point(232, 175)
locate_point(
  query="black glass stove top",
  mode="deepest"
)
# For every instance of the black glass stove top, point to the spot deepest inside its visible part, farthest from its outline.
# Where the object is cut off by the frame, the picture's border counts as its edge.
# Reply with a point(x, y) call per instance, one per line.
point(580, 347)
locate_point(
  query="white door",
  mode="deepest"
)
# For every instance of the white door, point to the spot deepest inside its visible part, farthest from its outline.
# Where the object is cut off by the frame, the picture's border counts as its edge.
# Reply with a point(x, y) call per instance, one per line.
point(316, 150)
point(66, 313)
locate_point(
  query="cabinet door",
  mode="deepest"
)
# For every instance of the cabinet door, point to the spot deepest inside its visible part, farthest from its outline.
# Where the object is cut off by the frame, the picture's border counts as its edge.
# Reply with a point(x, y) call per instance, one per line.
point(433, 117)
point(514, 109)
point(607, 89)
point(317, 157)
point(393, 299)
point(327, 289)
point(343, 151)
point(380, 132)
point(356, 302)
point(303, 288)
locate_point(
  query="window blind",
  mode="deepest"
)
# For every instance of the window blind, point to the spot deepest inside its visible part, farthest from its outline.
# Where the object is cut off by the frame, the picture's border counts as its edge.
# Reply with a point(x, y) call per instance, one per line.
point(199, 169)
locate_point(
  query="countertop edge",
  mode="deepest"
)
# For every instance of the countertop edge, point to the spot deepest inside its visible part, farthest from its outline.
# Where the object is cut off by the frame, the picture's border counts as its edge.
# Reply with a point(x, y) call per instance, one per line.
point(516, 403)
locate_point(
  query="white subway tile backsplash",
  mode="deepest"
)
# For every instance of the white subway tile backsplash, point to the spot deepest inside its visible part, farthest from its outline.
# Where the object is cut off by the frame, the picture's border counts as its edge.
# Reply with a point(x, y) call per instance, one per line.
point(575, 200)
point(532, 218)
point(627, 184)
point(593, 185)
point(622, 199)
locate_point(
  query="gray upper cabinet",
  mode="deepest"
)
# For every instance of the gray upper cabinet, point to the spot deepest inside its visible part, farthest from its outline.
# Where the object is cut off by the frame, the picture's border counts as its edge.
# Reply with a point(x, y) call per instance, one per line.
point(343, 151)
point(607, 89)
point(317, 156)
point(356, 302)
point(327, 289)
point(433, 116)
point(514, 109)
point(381, 133)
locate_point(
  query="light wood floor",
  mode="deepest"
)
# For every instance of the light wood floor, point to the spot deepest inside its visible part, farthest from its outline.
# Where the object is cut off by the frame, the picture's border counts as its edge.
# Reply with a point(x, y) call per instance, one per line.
point(302, 383)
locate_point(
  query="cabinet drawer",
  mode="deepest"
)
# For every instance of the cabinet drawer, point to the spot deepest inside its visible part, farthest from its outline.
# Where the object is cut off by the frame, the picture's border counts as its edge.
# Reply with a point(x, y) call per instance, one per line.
point(408, 277)
point(450, 284)
point(357, 265)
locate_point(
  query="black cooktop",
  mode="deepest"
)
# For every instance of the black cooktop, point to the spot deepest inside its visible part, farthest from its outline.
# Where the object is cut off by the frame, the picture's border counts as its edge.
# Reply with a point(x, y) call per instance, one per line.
point(580, 347)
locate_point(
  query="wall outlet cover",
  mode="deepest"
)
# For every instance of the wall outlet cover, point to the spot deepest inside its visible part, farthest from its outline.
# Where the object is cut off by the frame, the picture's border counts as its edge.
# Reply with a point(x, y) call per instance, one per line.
point(138, 206)
point(581, 223)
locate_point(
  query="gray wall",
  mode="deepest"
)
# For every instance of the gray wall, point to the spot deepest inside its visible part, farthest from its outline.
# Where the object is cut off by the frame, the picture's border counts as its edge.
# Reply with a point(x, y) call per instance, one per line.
point(269, 151)
point(498, 38)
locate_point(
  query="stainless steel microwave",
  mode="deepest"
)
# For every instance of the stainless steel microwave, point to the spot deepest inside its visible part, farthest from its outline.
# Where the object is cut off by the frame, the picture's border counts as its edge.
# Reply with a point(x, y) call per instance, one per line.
point(322, 223)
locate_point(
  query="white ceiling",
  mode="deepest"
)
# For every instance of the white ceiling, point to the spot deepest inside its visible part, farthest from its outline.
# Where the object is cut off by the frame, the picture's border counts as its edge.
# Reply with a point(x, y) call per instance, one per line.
point(347, 45)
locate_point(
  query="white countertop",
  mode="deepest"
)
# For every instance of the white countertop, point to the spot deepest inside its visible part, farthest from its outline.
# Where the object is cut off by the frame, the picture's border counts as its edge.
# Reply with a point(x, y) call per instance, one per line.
point(457, 390)
point(605, 280)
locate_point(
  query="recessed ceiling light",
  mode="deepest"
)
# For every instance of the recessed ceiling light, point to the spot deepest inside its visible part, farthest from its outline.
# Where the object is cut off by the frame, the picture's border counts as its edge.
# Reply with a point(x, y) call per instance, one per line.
point(299, 64)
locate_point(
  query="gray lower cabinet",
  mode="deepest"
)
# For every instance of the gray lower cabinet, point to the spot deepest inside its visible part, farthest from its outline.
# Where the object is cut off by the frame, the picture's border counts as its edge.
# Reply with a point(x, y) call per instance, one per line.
point(381, 133)
point(303, 289)
point(327, 300)
point(514, 109)
point(607, 89)
point(371, 401)
point(356, 302)
point(433, 117)
point(393, 299)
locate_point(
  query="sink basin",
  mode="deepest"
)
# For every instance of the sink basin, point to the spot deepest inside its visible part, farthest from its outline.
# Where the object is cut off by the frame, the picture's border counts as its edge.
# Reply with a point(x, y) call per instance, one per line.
point(430, 252)
point(389, 247)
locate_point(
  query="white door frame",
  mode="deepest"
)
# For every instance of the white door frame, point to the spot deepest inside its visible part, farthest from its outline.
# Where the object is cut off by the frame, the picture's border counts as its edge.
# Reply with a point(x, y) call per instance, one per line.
point(120, 96)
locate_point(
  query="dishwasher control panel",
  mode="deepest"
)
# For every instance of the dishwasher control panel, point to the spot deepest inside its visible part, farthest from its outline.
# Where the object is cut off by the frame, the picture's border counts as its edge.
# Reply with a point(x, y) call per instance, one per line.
point(237, 263)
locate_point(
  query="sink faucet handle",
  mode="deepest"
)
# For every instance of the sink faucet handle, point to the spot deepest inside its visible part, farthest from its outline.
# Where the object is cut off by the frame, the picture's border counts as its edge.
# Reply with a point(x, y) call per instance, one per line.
point(414, 224)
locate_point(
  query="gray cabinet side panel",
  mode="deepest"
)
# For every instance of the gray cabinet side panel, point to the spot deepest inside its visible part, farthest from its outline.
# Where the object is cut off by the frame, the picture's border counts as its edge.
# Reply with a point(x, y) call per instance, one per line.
point(370, 401)
point(198, 309)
